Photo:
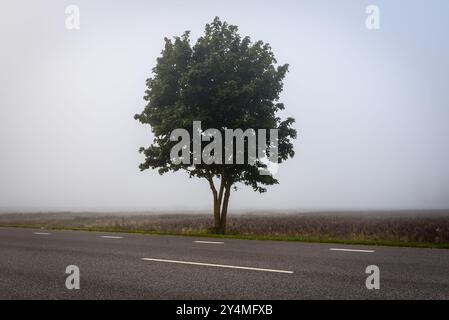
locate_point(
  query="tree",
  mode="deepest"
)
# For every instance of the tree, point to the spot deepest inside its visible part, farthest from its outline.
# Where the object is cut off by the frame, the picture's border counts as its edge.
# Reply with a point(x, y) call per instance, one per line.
point(226, 82)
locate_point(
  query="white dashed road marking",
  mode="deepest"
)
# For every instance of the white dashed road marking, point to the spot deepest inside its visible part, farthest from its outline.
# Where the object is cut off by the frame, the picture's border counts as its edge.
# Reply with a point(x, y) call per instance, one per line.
point(218, 265)
point(351, 250)
point(111, 237)
point(209, 242)
point(42, 233)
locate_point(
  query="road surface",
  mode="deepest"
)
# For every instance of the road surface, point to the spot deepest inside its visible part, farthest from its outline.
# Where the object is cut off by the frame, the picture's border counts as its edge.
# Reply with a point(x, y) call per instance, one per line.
point(131, 266)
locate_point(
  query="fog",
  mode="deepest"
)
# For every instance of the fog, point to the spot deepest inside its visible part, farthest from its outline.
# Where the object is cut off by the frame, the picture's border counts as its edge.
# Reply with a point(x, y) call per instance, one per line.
point(371, 106)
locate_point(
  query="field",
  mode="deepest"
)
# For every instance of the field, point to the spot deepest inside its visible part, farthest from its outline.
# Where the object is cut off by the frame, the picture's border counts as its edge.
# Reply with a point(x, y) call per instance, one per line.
point(398, 228)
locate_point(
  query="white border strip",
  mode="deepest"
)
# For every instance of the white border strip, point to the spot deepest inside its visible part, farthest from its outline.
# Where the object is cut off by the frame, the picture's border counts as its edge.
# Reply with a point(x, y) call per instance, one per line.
point(217, 265)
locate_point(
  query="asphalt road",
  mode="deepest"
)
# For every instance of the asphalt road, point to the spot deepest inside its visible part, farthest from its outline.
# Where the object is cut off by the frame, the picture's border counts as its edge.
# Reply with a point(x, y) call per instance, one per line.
point(130, 266)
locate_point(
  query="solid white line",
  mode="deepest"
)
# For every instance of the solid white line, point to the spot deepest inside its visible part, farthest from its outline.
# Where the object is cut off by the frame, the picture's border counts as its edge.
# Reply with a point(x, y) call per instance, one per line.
point(351, 250)
point(42, 233)
point(111, 237)
point(217, 265)
point(210, 242)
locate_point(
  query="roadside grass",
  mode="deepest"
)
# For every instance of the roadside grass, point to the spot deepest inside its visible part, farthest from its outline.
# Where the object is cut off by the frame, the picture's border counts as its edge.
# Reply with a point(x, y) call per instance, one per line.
point(235, 235)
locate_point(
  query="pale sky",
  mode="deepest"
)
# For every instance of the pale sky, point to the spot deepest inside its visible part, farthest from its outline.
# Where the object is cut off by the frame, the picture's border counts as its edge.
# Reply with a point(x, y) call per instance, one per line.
point(372, 107)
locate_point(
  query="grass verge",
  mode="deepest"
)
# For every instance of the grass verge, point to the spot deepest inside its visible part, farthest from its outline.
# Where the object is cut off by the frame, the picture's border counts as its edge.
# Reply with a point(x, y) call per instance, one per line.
point(322, 239)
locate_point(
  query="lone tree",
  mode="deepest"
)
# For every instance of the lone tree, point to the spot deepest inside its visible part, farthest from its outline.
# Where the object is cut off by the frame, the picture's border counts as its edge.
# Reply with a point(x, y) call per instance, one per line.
point(226, 82)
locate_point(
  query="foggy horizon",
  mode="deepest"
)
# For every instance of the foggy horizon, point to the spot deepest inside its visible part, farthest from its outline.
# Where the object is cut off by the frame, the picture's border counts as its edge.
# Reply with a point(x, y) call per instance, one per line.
point(371, 107)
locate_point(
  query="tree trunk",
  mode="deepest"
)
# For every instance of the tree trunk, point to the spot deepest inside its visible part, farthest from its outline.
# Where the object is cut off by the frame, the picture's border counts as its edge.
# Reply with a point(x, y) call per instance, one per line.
point(217, 204)
point(224, 210)
point(221, 201)
point(216, 215)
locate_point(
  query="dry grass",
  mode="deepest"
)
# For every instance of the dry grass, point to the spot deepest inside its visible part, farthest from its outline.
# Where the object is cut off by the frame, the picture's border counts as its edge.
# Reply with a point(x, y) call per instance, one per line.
point(413, 227)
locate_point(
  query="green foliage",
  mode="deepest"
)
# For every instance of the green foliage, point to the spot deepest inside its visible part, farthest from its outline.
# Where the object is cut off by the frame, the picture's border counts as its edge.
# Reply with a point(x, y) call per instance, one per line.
point(224, 81)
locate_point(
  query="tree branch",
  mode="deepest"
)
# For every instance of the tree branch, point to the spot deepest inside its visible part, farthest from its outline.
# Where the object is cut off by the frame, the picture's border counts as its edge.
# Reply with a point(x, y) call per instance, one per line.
point(222, 187)
point(212, 185)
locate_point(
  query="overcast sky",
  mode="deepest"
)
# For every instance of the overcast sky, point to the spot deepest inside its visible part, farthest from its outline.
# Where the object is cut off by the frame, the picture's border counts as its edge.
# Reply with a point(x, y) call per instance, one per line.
point(372, 107)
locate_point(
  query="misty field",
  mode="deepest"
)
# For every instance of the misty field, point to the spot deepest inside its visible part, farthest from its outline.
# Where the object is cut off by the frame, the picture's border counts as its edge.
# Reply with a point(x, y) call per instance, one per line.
point(398, 228)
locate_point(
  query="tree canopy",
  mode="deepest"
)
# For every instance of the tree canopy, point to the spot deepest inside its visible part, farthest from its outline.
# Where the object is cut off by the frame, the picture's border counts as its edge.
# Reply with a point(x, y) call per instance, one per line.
point(226, 82)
